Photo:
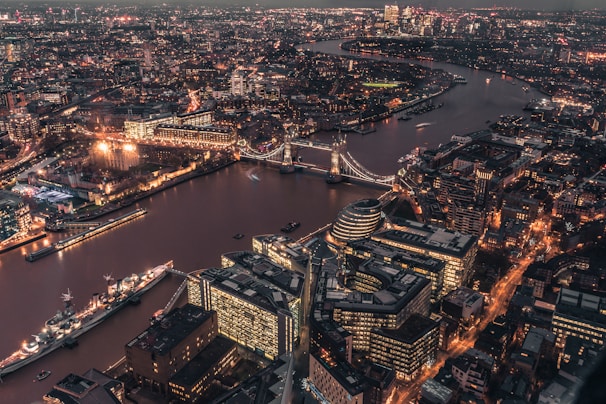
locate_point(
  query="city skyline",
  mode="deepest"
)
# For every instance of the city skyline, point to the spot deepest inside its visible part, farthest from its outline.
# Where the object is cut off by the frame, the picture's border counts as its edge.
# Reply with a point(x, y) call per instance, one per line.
point(401, 204)
point(559, 5)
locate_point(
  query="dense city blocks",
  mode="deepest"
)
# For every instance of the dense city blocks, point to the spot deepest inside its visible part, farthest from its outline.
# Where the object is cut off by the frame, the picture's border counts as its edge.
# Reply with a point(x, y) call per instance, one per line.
point(387, 204)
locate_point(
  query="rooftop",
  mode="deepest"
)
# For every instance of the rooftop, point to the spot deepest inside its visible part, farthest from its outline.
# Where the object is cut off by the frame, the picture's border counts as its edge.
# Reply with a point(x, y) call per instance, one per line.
point(204, 361)
point(462, 297)
point(257, 280)
point(344, 373)
point(411, 330)
point(160, 338)
point(429, 237)
point(399, 288)
point(396, 254)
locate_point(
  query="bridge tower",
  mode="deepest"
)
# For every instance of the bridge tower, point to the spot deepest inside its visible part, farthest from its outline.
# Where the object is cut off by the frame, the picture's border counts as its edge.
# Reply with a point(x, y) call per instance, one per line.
point(287, 165)
point(334, 175)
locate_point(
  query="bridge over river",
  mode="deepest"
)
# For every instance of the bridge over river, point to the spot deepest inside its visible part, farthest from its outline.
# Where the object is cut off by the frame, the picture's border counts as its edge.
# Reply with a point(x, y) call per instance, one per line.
point(342, 163)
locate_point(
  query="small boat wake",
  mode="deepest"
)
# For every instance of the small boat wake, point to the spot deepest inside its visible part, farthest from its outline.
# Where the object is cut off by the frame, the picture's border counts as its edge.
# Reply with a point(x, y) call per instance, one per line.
point(252, 174)
point(424, 125)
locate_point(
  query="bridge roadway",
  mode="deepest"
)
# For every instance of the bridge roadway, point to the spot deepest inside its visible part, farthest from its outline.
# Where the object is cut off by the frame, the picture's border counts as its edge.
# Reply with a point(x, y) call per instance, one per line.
point(348, 166)
point(311, 144)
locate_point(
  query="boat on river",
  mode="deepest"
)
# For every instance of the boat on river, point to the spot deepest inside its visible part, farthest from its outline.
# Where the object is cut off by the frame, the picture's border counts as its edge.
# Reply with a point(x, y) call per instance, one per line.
point(43, 375)
point(68, 324)
point(292, 226)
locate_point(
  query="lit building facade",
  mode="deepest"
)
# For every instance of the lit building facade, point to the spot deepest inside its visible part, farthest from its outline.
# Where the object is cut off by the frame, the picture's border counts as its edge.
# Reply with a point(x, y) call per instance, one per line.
point(191, 382)
point(21, 127)
point(579, 315)
point(338, 382)
point(116, 155)
point(196, 118)
point(431, 268)
point(15, 216)
point(257, 301)
point(457, 250)
point(11, 49)
point(239, 83)
point(397, 295)
point(195, 136)
point(357, 220)
point(407, 349)
point(282, 250)
point(144, 128)
point(392, 13)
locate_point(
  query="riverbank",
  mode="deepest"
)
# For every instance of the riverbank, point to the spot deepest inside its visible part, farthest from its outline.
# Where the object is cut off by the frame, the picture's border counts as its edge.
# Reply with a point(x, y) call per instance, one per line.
point(22, 242)
point(433, 58)
point(196, 225)
point(112, 207)
point(78, 238)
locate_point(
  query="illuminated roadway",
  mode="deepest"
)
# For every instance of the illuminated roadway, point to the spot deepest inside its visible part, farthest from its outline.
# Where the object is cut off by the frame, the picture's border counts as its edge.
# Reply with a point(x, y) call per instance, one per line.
point(501, 292)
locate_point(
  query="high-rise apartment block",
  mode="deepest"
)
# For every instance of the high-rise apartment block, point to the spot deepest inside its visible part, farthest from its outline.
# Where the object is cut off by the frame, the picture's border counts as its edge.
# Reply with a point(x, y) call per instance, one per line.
point(257, 301)
point(392, 13)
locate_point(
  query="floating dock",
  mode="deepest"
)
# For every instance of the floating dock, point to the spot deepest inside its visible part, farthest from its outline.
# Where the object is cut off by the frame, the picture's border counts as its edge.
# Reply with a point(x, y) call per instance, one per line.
point(75, 239)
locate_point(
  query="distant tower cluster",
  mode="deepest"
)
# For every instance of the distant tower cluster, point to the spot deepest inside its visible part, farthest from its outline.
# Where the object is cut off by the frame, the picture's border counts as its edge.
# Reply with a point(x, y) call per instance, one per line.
point(392, 13)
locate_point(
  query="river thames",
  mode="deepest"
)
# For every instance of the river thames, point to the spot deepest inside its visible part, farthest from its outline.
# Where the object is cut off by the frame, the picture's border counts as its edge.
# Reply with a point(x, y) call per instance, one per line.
point(194, 222)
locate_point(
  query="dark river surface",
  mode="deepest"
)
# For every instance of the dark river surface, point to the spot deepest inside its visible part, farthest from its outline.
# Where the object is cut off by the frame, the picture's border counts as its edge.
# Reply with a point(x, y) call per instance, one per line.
point(193, 223)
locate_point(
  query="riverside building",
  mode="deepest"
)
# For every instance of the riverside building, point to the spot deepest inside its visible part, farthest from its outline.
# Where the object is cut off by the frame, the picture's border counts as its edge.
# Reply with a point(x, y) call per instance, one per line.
point(257, 301)
point(15, 216)
point(195, 136)
point(162, 350)
point(282, 250)
point(357, 220)
point(143, 129)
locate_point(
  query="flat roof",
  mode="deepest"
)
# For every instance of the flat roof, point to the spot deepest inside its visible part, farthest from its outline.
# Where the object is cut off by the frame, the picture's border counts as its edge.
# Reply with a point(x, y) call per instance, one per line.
point(462, 296)
point(429, 237)
point(204, 361)
point(411, 330)
point(256, 279)
point(160, 338)
point(397, 254)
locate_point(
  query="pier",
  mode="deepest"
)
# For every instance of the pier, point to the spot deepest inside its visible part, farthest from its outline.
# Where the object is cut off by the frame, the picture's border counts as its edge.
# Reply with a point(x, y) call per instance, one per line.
point(75, 239)
point(61, 226)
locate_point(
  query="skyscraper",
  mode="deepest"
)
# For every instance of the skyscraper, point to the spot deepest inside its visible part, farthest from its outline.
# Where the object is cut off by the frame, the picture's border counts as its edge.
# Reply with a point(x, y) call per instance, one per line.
point(392, 13)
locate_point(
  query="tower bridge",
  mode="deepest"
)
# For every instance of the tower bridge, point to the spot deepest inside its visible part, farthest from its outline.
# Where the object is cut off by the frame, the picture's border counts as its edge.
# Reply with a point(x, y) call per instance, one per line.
point(342, 163)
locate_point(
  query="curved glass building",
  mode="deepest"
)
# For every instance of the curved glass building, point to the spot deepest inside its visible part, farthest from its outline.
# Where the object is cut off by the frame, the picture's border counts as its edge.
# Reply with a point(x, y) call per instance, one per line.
point(357, 220)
